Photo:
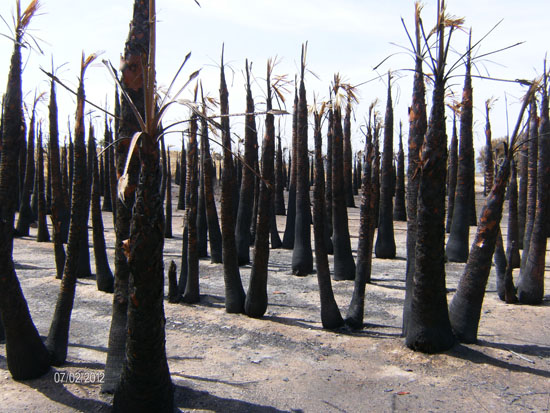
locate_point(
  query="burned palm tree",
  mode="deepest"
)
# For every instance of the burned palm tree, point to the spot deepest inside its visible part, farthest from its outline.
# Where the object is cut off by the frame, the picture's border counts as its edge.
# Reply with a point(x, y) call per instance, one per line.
point(104, 276)
point(512, 238)
point(25, 213)
point(256, 299)
point(457, 245)
point(279, 179)
point(183, 175)
point(452, 174)
point(168, 198)
point(348, 180)
point(60, 200)
point(190, 289)
point(531, 277)
point(302, 255)
point(107, 200)
point(214, 233)
point(145, 382)
point(330, 313)
point(465, 307)
point(385, 242)
point(489, 171)
point(246, 202)
point(344, 266)
point(202, 228)
point(288, 237)
point(399, 209)
point(234, 292)
point(58, 337)
point(428, 328)
point(26, 355)
point(523, 174)
point(366, 231)
point(42, 234)
point(532, 185)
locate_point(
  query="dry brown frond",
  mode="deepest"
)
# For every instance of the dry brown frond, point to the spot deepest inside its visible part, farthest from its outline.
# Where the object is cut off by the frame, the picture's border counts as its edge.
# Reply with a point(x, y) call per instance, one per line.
point(24, 19)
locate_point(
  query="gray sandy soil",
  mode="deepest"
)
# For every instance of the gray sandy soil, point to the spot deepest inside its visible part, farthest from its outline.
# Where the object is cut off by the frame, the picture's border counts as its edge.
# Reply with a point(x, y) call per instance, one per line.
point(286, 361)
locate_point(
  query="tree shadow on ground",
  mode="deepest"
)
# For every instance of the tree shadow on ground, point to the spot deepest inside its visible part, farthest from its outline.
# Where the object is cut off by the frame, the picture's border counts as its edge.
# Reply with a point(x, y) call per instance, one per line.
point(294, 322)
point(475, 356)
point(527, 349)
point(186, 398)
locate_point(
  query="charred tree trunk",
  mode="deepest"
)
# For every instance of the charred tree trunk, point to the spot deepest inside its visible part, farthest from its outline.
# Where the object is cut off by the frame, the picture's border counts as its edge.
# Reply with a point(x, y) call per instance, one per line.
point(173, 293)
point(385, 241)
point(344, 266)
point(191, 293)
point(458, 242)
point(234, 292)
point(168, 199)
point(246, 203)
point(356, 308)
point(531, 278)
point(532, 186)
point(465, 307)
point(124, 130)
point(107, 200)
point(26, 355)
point(104, 276)
point(330, 313)
point(399, 209)
point(42, 235)
point(513, 230)
point(328, 193)
point(164, 168)
point(452, 174)
point(288, 237)
point(429, 329)
point(58, 337)
point(523, 155)
point(25, 213)
point(302, 255)
point(183, 176)
point(214, 233)
point(256, 298)
point(348, 181)
point(279, 180)
point(202, 227)
point(489, 167)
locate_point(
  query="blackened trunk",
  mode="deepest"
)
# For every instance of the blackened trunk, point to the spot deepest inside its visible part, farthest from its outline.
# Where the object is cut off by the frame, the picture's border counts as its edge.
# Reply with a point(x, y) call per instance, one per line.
point(452, 175)
point(26, 355)
point(364, 248)
point(348, 180)
point(58, 337)
point(279, 180)
point(531, 278)
point(104, 276)
point(330, 313)
point(60, 200)
point(513, 229)
point(385, 241)
point(256, 297)
point(246, 203)
point(191, 292)
point(42, 234)
point(344, 266)
point(522, 187)
point(290, 226)
point(532, 185)
point(164, 168)
point(234, 292)
point(302, 255)
point(458, 242)
point(25, 213)
point(168, 199)
point(202, 227)
point(465, 307)
point(173, 293)
point(328, 192)
point(183, 175)
point(214, 233)
point(399, 209)
point(428, 328)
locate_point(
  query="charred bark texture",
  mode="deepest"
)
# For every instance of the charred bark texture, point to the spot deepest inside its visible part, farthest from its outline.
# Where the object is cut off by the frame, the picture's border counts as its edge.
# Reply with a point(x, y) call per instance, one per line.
point(399, 209)
point(288, 237)
point(344, 266)
point(348, 180)
point(452, 176)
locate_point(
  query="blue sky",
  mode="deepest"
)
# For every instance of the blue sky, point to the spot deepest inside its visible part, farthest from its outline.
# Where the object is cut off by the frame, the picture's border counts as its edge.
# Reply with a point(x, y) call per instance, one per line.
point(348, 36)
